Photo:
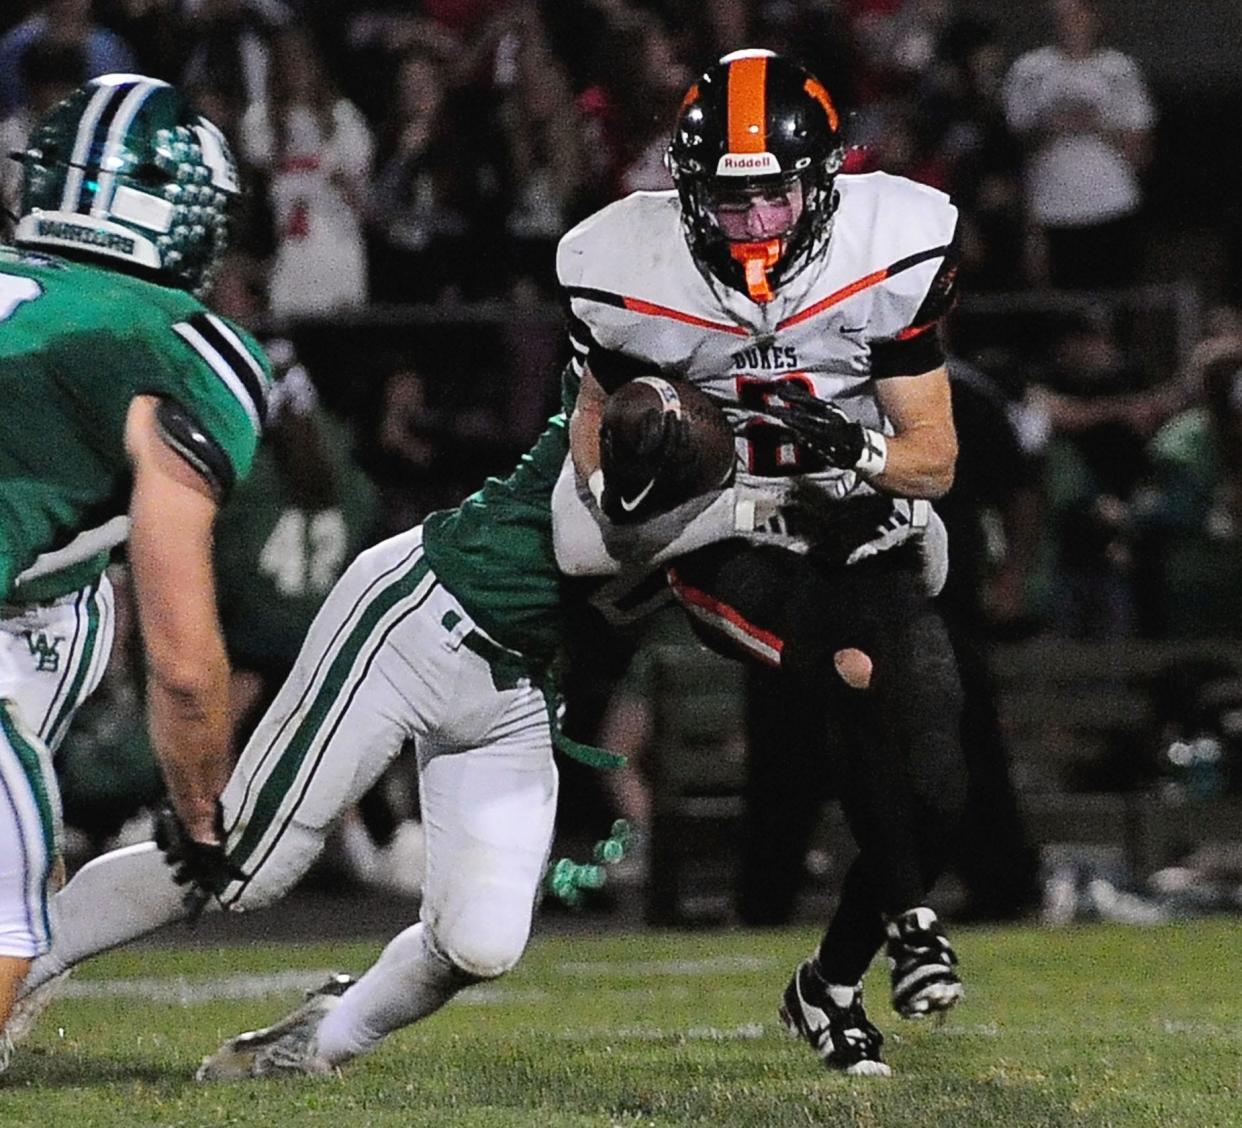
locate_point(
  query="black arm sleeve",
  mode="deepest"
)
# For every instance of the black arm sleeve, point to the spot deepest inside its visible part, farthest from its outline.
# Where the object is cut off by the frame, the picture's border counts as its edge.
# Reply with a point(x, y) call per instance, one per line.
point(918, 348)
point(185, 435)
point(609, 367)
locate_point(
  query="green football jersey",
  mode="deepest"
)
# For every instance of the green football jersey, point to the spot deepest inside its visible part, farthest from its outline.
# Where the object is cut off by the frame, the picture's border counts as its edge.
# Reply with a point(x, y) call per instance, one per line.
point(277, 560)
point(494, 551)
point(77, 344)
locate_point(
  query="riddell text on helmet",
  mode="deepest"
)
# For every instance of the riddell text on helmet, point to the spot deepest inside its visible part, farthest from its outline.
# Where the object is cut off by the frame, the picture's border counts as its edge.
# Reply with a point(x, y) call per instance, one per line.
point(733, 164)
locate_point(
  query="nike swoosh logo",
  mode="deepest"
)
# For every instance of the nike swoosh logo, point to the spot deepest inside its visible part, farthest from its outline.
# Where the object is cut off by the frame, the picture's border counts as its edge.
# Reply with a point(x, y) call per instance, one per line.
point(852, 328)
point(629, 506)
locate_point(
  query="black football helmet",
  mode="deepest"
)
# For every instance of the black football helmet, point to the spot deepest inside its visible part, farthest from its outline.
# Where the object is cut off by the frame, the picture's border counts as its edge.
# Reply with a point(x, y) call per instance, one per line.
point(756, 122)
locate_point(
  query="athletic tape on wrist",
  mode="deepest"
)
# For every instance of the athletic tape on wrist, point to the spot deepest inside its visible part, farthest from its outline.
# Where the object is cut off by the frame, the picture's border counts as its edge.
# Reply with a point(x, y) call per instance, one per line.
point(874, 455)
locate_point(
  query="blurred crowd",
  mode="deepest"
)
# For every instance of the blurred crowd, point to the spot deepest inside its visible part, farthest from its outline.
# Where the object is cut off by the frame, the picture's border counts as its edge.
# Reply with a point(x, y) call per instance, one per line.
point(427, 156)
point(404, 152)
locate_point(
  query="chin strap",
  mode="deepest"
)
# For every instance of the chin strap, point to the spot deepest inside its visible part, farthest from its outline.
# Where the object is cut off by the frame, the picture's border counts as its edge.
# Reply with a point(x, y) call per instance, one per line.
point(756, 260)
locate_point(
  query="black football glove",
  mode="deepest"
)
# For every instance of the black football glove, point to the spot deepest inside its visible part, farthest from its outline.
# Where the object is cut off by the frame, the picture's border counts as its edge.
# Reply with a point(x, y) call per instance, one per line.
point(819, 426)
point(643, 460)
point(206, 869)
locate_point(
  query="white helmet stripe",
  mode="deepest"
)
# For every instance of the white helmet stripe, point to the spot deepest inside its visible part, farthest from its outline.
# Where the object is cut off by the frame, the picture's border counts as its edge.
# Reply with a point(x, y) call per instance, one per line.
point(82, 146)
point(116, 139)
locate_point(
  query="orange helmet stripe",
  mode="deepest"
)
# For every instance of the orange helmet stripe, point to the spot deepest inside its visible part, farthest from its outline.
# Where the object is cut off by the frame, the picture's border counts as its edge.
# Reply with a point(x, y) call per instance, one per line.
point(692, 95)
point(816, 90)
point(747, 108)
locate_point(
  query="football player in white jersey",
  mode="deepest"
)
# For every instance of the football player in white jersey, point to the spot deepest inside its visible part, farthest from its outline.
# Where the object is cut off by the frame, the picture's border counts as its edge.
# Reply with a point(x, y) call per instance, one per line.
point(806, 302)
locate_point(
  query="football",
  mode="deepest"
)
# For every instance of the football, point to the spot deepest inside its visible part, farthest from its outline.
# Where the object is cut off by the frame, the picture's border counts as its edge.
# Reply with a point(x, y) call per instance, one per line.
point(705, 460)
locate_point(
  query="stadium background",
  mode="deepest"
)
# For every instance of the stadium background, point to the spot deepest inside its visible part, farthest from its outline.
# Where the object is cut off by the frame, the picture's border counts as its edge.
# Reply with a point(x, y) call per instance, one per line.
point(411, 166)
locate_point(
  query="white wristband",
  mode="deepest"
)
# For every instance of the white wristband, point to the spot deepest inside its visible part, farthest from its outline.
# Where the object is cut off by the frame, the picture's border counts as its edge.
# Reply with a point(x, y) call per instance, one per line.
point(595, 483)
point(874, 455)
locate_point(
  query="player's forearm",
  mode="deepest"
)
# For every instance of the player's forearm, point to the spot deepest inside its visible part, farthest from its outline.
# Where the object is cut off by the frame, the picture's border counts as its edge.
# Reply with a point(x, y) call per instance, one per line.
point(188, 706)
point(920, 463)
point(584, 425)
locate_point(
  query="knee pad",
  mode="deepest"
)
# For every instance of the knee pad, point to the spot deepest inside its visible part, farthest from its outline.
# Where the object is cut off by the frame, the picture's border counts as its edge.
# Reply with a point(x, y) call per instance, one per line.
point(483, 935)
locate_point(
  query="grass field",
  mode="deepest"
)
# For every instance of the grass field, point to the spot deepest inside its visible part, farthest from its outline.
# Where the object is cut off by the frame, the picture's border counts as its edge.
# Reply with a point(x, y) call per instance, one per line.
point(1089, 1026)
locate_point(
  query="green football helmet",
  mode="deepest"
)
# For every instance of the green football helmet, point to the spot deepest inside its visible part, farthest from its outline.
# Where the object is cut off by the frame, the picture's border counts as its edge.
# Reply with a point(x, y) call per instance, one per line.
point(123, 171)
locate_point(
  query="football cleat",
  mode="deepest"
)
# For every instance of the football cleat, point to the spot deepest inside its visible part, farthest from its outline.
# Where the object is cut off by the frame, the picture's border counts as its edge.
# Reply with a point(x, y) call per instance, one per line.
point(833, 1021)
point(923, 964)
point(25, 1015)
point(286, 1048)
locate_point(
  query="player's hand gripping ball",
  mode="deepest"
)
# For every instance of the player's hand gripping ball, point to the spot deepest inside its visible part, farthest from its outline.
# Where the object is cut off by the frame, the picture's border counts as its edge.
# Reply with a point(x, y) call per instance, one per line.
point(662, 442)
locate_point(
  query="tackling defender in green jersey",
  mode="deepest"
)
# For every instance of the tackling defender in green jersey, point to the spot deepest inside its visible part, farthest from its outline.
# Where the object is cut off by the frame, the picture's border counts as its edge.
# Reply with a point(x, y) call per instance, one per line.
point(129, 410)
point(443, 635)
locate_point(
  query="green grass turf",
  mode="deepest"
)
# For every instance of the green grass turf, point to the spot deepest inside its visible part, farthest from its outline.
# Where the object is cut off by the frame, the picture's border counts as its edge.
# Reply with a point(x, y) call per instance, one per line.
point(1090, 1026)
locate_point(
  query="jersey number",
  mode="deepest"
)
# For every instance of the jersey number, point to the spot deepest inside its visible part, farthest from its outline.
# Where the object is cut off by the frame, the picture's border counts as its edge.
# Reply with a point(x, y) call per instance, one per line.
point(770, 450)
point(304, 556)
point(14, 291)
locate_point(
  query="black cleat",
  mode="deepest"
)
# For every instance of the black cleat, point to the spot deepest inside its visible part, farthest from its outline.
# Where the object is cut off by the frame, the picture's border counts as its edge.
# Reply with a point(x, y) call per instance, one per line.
point(923, 965)
point(833, 1021)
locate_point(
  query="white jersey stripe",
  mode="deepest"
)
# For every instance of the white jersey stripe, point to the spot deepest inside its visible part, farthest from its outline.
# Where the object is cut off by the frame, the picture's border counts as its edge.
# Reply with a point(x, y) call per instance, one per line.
point(221, 368)
point(223, 328)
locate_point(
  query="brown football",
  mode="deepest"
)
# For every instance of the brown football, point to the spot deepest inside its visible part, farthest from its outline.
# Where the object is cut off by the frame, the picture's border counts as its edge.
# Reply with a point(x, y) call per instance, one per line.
point(709, 458)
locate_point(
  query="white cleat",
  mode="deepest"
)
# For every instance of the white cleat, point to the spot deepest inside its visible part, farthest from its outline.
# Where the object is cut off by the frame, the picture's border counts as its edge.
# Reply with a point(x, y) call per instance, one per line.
point(869, 1069)
point(934, 999)
point(287, 1048)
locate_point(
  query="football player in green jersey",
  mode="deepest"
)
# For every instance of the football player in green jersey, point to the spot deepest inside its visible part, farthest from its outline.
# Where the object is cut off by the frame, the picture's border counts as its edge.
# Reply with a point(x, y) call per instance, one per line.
point(129, 411)
point(443, 634)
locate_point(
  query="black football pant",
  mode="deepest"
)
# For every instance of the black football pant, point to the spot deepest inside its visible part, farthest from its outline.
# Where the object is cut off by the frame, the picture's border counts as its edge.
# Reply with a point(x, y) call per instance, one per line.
point(893, 757)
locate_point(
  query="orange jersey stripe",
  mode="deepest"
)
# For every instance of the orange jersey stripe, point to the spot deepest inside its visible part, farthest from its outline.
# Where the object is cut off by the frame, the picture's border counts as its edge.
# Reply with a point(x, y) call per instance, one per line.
point(835, 297)
point(637, 305)
point(747, 109)
point(914, 331)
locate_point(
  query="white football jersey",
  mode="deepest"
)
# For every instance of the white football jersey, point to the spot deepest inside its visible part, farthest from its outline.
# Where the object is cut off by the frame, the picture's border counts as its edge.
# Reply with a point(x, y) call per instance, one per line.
point(635, 290)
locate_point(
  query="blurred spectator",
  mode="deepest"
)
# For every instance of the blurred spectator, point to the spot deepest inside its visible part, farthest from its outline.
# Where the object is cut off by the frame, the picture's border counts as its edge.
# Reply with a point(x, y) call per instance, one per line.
point(718, 27)
point(665, 78)
point(959, 101)
point(1084, 113)
point(425, 448)
point(430, 206)
point(629, 110)
point(991, 515)
point(1190, 517)
point(155, 29)
point(316, 150)
point(904, 147)
point(1101, 412)
point(231, 45)
point(64, 22)
point(895, 42)
point(49, 70)
point(548, 161)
